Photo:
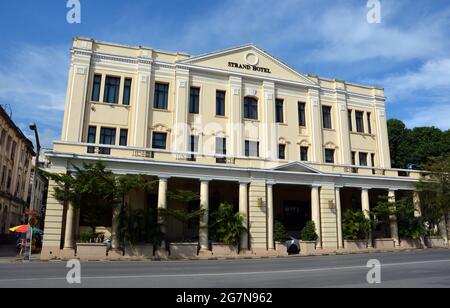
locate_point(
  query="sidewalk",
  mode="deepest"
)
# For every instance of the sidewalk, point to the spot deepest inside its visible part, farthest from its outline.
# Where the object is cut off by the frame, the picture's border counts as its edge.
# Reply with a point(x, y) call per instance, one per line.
point(8, 253)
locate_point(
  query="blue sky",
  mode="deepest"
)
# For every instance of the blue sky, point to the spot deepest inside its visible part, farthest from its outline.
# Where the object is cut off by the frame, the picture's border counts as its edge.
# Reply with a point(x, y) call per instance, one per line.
point(408, 53)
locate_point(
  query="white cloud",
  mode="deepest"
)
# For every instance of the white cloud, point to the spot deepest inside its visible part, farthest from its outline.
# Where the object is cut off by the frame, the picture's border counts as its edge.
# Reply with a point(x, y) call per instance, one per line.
point(431, 80)
point(437, 115)
point(33, 82)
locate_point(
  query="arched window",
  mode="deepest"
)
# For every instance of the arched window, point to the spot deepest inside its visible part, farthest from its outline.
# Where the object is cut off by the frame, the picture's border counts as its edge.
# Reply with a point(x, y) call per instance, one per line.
point(250, 108)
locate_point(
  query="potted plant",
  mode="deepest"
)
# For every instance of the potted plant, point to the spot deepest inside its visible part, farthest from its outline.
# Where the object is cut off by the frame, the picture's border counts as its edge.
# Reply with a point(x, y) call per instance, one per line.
point(355, 229)
point(141, 233)
point(434, 239)
point(280, 236)
point(188, 218)
point(91, 246)
point(380, 222)
point(227, 227)
point(411, 229)
point(309, 239)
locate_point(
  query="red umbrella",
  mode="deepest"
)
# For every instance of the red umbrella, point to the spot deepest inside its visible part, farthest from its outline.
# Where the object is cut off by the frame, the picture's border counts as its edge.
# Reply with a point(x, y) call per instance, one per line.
point(24, 229)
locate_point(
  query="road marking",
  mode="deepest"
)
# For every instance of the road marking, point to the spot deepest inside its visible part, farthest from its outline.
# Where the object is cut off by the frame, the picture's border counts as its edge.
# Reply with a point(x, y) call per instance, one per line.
point(230, 274)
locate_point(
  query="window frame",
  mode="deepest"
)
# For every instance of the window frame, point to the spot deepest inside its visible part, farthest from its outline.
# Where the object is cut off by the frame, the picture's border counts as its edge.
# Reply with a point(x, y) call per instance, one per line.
point(92, 132)
point(364, 156)
point(327, 124)
point(220, 103)
point(106, 96)
point(165, 140)
point(279, 111)
point(359, 124)
point(126, 99)
point(369, 123)
point(301, 114)
point(306, 153)
point(106, 150)
point(164, 105)
point(221, 160)
point(95, 96)
point(282, 150)
point(350, 120)
point(194, 100)
point(248, 144)
point(333, 151)
point(251, 108)
point(123, 134)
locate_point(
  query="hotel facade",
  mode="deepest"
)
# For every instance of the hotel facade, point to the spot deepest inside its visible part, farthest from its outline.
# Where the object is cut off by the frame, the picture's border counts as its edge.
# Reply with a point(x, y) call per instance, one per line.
point(237, 126)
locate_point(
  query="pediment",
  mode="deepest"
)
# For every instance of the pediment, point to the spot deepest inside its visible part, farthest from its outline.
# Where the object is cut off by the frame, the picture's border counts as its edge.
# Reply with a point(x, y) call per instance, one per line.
point(249, 60)
point(297, 166)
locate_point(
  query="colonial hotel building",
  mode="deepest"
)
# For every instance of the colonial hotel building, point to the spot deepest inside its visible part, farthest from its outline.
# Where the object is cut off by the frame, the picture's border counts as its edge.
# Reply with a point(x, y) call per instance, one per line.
point(237, 126)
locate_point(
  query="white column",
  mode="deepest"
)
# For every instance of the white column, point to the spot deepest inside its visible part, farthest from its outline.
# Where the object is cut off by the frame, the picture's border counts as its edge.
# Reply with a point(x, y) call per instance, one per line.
point(365, 203)
point(339, 217)
point(393, 219)
point(315, 212)
point(115, 228)
point(443, 230)
point(243, 209)
point(69, 236)
point(270, 217)
point(162, 204)
point(417, 207)
point(204, 220)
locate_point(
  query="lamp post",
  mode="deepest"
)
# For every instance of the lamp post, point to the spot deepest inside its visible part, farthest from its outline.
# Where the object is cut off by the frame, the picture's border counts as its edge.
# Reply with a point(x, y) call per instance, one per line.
point(29, 241)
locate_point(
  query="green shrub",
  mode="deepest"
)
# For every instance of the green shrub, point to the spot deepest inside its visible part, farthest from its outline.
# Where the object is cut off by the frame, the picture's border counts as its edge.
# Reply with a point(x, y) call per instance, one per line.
point(140, 226)
point(227, 226)
point(309, 233)
point(87, 237)
point(279, 232)
point(355, 226)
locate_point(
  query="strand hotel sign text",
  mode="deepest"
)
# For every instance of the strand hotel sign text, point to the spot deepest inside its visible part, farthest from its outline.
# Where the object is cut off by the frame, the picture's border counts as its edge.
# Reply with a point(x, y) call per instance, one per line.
point(249, 67)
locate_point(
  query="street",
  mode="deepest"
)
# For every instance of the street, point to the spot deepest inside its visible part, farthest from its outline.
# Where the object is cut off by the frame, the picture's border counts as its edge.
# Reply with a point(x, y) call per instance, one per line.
point(428, 268)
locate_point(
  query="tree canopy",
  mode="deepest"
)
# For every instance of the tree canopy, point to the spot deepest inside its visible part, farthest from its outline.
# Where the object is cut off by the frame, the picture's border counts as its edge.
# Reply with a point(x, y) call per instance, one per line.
point(416, 146)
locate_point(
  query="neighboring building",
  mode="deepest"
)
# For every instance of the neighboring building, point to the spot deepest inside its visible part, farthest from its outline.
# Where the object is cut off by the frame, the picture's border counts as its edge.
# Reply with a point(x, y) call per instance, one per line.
point(41, 190)
point(16, 153)
point(237, 125)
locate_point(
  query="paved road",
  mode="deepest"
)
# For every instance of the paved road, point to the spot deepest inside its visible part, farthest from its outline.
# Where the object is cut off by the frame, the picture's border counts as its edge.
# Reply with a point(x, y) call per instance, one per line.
point(430, 268)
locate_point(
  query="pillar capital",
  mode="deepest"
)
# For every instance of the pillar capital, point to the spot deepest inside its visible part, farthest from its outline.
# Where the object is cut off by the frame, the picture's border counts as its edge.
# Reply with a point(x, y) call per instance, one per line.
point(271, 183)
point(163, 178)
point(244, 182)
point(205, 180)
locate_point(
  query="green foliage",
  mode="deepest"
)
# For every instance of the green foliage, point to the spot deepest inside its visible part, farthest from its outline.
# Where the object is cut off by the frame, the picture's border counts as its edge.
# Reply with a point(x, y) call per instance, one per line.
point(94, 190)
point(183, 216)
point(91, 237)
point(141, 227)
point(355, 226)
point(416, 145)
point(188, 218)
point(409, 226)
point(381, 214)
point(227, 226)
point(280, 234)
point(435, 192)
point(183, 196)
point(308, 233)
